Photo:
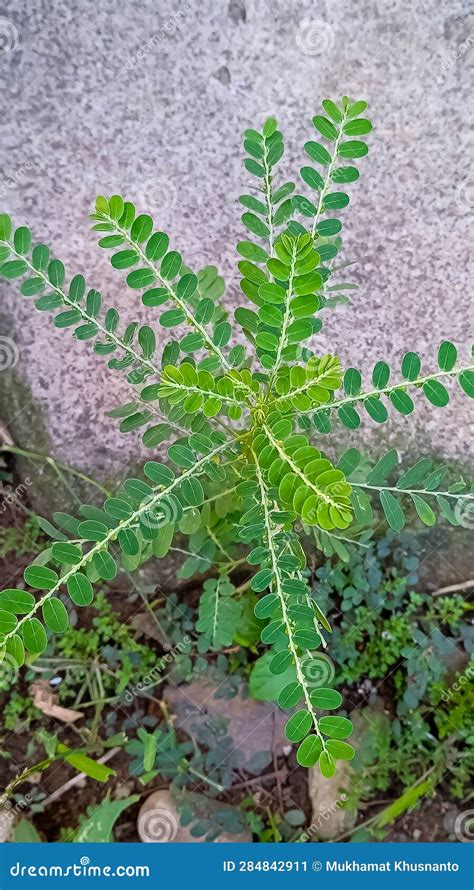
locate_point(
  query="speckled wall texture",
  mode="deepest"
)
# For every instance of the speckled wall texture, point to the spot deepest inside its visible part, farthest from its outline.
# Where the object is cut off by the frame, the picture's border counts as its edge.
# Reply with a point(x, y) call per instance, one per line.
point(150, 99)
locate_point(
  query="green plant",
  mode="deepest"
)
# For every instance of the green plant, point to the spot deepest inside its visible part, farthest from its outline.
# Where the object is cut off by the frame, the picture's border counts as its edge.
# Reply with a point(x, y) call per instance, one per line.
point(242, 466)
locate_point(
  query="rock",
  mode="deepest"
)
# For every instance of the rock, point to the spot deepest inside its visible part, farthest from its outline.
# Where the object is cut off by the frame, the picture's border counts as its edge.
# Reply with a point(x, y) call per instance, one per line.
point(159, 819)
point(331, 817)
point(51, 179)
point(255, 727)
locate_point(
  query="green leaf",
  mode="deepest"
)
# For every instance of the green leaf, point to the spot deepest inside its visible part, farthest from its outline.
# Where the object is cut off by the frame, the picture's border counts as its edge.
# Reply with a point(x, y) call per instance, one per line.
point(40, 577)
point(466, 380)
point(141, 228)
point(309, 751)
point(340, 750)
point(141, 277)
point(401, 401)
point(436, 393)
point(382, 469)
point(98, 827)
point(326, 765)
point(8, 622)
point(381, 375)
point(393, 511)
point(336, 727)
point(352, 149)
point(326, 699)
point(34, 636)
point(411, 365)
point(290, 695)
point(298, 726)
point(105, 565)
point(265, 686)
point(447, 356)
point(67, 553)
point(325, 127)
point(318, 153)
point(80, 589)
point(55, 615)
point(91, 530)
point(20, 602)
point(424, 511)
point(98, 771)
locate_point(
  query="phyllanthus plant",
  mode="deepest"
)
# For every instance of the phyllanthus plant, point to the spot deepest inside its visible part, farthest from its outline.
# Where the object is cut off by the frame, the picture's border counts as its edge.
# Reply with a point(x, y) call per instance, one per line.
point(246, 424)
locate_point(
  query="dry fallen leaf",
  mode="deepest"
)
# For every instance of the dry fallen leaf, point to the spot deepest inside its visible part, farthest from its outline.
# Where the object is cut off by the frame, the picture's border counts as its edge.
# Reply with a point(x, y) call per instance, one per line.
point(44, 699)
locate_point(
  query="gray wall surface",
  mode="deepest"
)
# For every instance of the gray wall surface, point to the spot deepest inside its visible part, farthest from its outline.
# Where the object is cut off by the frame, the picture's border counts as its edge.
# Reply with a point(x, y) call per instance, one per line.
point(150, 100)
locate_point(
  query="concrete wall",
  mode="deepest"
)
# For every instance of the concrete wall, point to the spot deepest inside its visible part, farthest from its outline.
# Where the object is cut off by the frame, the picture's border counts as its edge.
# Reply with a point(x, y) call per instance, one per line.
point(150, 99)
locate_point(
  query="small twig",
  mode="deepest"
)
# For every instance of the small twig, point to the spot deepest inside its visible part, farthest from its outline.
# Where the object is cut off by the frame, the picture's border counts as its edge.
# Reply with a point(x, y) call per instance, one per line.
point(278, 774)
point(452, 588)
point(71, 783)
